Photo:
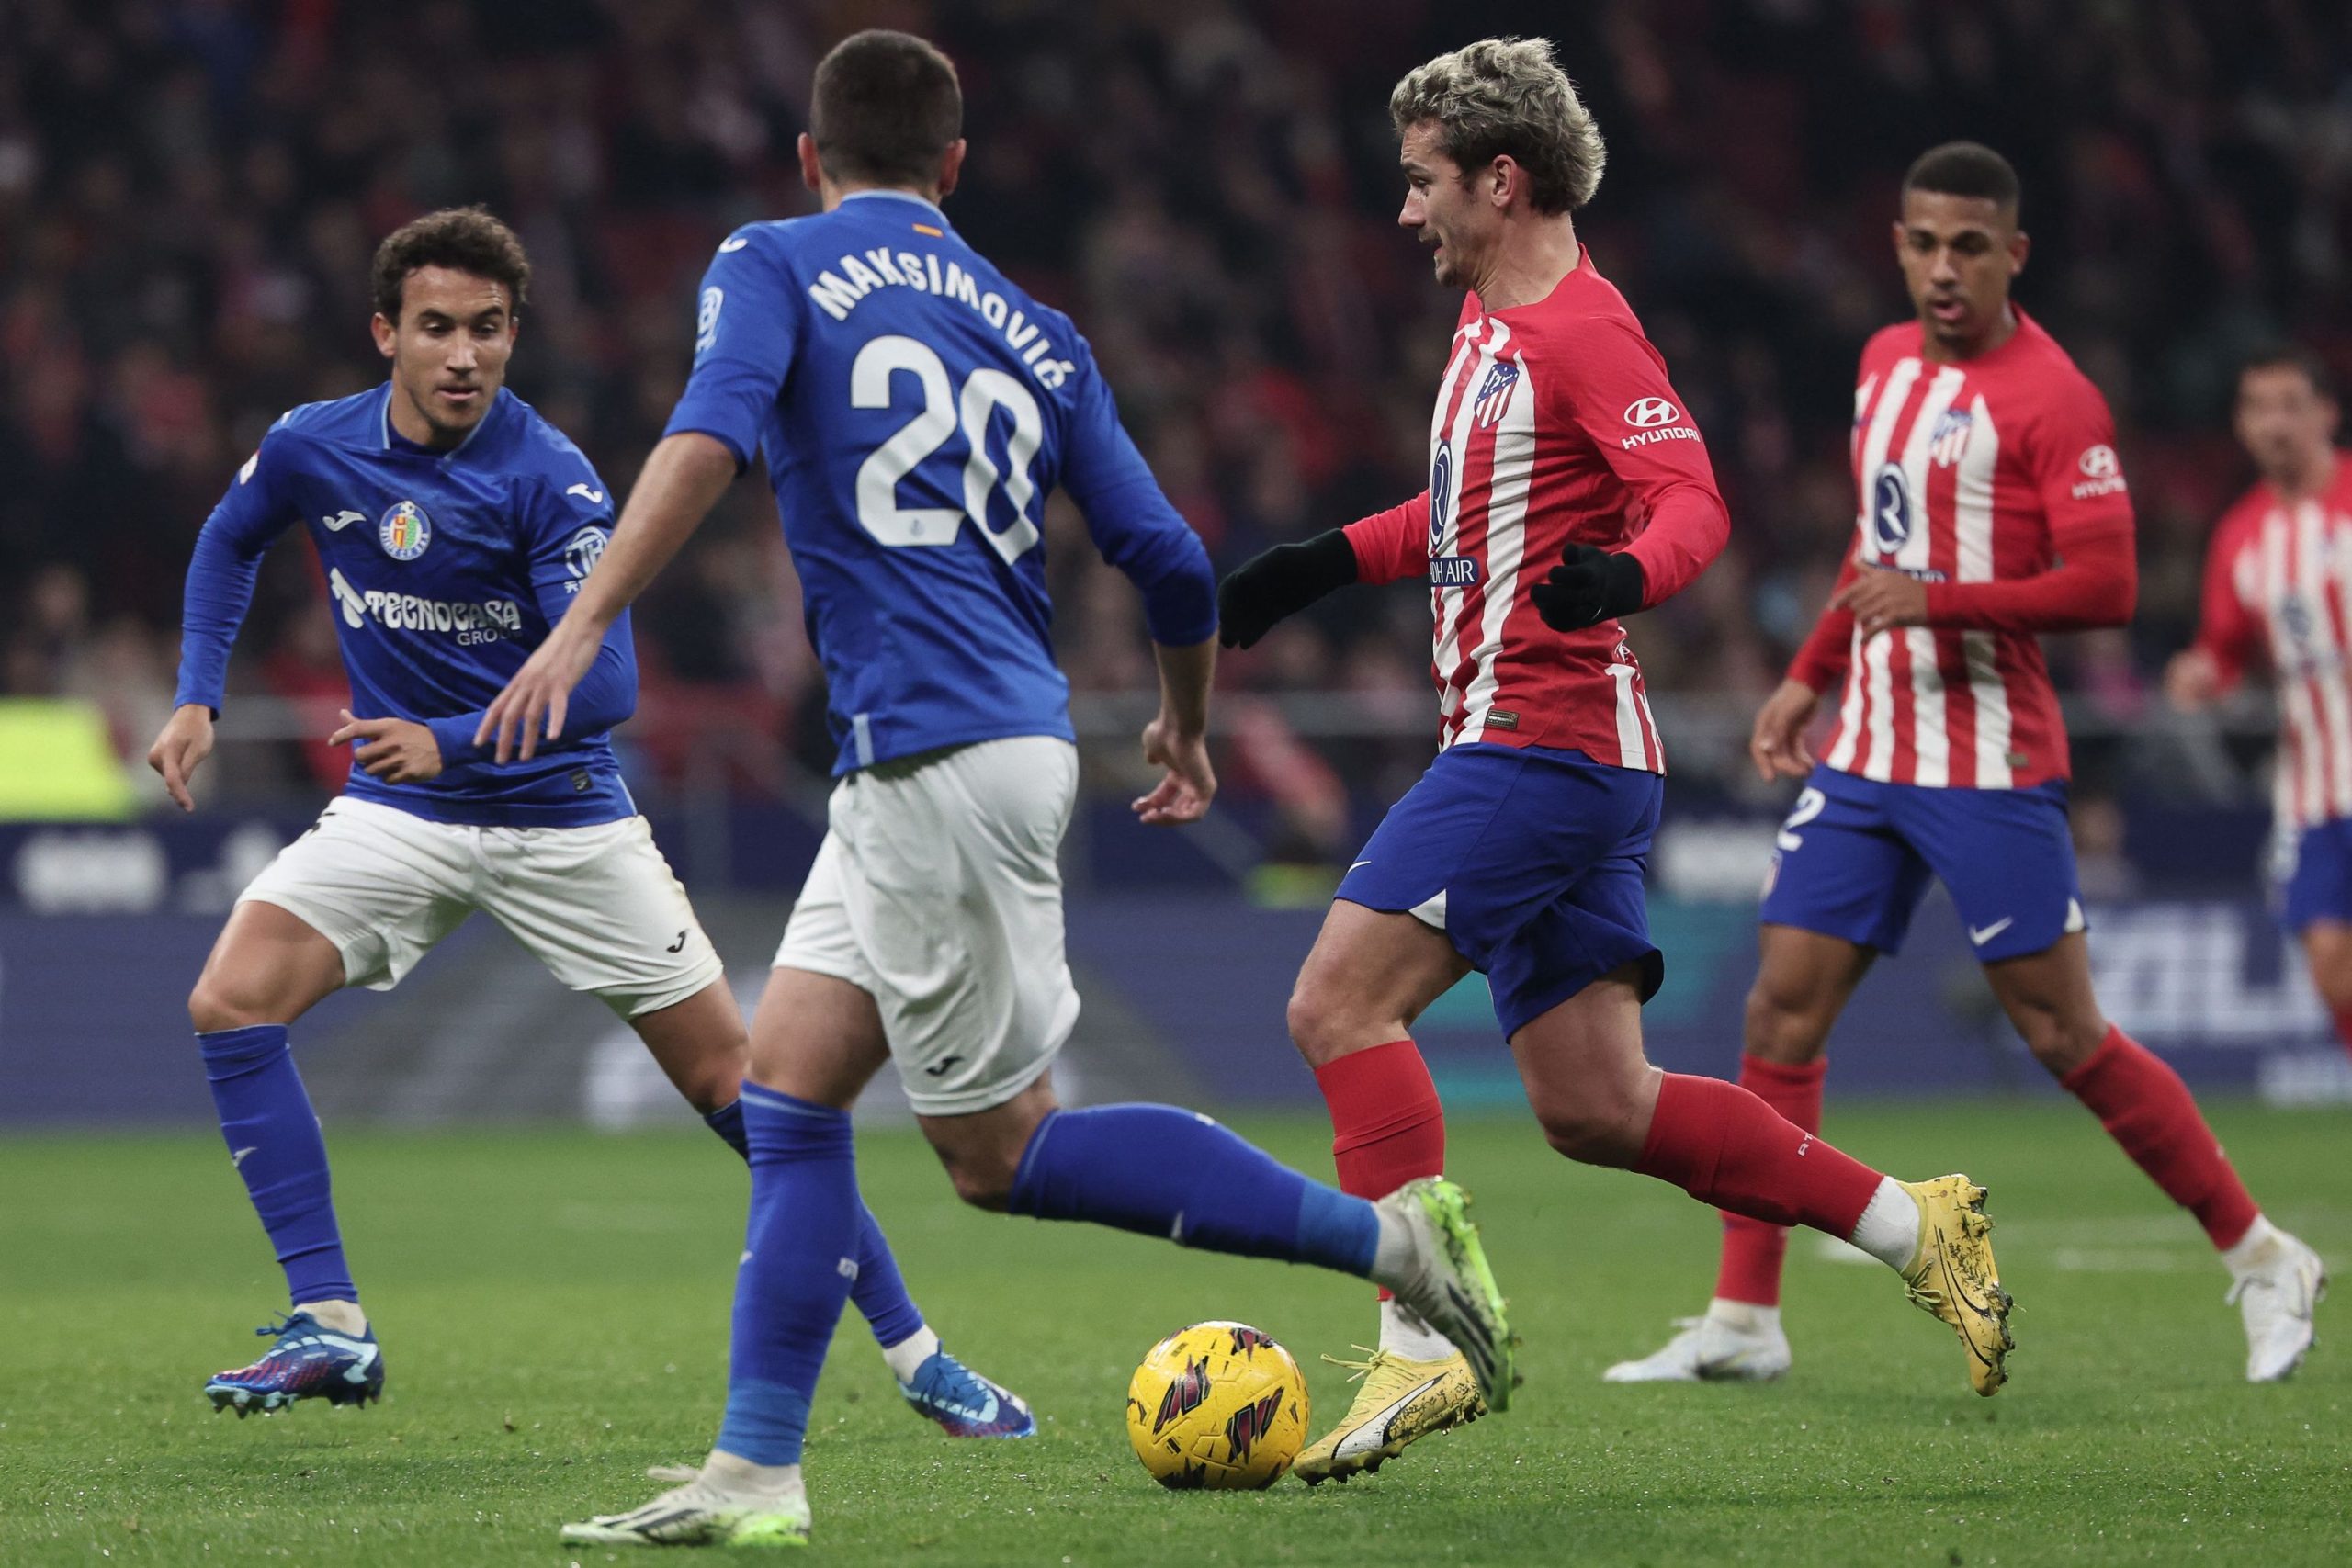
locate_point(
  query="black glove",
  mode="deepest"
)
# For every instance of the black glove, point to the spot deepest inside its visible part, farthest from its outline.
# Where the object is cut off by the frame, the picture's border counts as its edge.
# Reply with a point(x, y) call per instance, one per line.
point(1282, 581)
point(1589, 586)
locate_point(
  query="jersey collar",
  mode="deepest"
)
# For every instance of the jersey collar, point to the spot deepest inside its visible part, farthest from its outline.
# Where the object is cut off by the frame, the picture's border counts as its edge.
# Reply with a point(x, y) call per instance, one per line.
point(906, 196)
point(393, 441)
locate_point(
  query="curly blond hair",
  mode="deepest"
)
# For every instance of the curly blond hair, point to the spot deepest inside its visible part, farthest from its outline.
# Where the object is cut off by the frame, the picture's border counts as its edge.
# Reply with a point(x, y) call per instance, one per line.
point(1507, 97)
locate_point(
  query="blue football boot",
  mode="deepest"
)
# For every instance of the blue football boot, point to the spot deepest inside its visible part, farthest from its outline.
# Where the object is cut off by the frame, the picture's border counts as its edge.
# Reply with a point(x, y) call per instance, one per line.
point(965, 1403)
point(308, 1361)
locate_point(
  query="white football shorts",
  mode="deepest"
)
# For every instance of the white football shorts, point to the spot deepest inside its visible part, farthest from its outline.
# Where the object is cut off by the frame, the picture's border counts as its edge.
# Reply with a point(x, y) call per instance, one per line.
point(598, 906)
point(937, 892)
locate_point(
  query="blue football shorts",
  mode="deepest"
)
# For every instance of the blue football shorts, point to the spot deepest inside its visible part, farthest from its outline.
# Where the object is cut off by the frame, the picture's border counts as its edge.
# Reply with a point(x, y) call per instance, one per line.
point(2320, 885)
point(1530, 861)
point(1854, 858)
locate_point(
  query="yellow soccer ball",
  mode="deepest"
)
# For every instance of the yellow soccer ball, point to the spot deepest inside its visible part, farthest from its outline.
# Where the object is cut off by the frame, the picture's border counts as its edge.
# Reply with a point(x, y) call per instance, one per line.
point(1218, 1405)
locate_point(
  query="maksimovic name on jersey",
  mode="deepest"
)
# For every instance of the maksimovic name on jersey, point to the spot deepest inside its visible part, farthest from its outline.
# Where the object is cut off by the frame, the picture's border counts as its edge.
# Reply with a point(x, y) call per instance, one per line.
point(837, 294)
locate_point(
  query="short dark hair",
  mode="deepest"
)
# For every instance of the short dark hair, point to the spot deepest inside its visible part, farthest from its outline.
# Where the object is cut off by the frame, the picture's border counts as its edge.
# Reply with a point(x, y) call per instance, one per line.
point(1965, 168)
point(2291, 356)
point(886, 106)
point(463, 239)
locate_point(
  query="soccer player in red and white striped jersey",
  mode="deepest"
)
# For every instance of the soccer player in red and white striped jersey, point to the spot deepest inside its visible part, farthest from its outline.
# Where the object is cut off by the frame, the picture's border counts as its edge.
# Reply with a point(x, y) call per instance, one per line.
point(1990, 507)
point(1567, 489)
point(2279, 592)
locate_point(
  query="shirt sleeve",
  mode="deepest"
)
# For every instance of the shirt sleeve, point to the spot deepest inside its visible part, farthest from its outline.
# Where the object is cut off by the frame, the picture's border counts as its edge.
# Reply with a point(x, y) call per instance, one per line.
point(568, 535)
point(1829, 649)
point(2095, 583)
point(2071, 454)
point(2227, 632)
point(746, 329)
point(222, 572)
point(1623, 403)
point(1394, 544)
point(1132, 522)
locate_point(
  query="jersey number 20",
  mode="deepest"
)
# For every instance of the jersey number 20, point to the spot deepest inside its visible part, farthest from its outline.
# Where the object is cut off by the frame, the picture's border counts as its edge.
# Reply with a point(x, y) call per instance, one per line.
point(985, 391)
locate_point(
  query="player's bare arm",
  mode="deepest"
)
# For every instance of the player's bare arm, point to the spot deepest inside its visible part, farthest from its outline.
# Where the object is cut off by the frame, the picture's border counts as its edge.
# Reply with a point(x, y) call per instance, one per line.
point(2192, 679)
point(683, 479)
point(180, 748)
point(1177, 741)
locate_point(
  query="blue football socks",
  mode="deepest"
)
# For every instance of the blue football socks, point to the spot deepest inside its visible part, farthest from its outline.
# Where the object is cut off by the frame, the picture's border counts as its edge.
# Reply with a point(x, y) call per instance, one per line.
point(275, 1145)
point(880, 1295)
point(1169, 1172)
point(799, 1260)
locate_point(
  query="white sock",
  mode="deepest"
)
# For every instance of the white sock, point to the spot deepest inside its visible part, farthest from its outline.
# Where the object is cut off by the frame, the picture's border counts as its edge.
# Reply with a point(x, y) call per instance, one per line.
point(2240, 1259)
point(1402, 1333)
point(1392, 1259)
point(340, 1316)
point(907, 1357)
point(1889, 1228)
point(1745, 1316)
point(739, 1477)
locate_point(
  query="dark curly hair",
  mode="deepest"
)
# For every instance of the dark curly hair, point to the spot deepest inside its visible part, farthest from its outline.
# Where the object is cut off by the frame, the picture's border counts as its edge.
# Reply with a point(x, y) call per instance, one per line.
point(464, 239)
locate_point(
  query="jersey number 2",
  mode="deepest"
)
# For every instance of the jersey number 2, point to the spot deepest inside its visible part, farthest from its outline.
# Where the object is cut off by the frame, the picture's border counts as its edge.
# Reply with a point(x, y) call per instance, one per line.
point(985, 391)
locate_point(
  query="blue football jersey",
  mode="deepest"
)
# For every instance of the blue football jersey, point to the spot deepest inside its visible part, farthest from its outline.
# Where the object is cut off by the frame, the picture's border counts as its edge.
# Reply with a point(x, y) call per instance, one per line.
point(915, 408)
point(446, 569)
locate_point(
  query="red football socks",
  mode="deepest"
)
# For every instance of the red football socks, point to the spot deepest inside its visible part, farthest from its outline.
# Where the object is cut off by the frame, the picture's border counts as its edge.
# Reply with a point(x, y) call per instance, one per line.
point(1722, 1145)
point(2145, 1107)
point(1753, 1249)
point(2343, 1017)
point(1387, 1126)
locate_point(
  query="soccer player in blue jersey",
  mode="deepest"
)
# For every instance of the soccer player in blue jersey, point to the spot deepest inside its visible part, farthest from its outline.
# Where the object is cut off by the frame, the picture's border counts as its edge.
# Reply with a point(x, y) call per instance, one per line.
point(915, 407)
point(454, 523)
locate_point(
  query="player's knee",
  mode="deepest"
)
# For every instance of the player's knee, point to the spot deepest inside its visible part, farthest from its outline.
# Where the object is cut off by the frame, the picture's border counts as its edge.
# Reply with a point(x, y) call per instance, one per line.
point(218, 1003)
point(2059, 1038)
point(1780, 1026)
point(1591, 1129)
point(1313, 1016)
point(983, 1182)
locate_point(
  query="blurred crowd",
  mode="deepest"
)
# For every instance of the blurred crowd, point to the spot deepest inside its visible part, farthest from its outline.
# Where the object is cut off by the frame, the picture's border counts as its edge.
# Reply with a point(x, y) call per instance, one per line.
point(190, 189)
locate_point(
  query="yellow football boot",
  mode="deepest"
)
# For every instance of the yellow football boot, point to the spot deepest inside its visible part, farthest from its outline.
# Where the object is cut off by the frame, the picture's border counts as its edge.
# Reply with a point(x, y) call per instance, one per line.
point(1954, 1277)
point(1400, 1402)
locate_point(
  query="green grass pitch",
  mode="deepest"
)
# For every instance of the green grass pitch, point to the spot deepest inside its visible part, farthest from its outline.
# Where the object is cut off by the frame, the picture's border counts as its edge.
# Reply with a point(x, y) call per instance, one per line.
point(554, 1307)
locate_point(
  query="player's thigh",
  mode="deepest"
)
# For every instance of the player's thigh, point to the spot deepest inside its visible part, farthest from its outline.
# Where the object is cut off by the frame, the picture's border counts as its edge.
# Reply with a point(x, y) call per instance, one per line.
point(700, 1045)
point(2327, 953)
point(1804, 980)
point(950, 886)
point(1841, 869)
point(1369, 973)
point(1587, 1081)
point(381, 886)
point(2007, 858)
point(268, 966)
point(600, 907)
point(816, 1037)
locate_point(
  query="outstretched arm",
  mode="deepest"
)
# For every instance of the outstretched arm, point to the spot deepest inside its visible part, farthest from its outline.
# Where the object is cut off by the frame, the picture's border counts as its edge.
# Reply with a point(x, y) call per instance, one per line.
point(683, 479)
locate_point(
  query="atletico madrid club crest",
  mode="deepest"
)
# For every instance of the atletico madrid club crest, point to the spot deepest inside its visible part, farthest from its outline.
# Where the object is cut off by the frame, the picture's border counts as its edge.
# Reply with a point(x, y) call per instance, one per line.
point(1494, 393)
point(405, 531)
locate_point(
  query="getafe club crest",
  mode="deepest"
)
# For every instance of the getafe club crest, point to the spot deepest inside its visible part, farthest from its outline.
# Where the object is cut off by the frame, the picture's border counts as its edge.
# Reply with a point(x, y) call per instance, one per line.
point(405, 531)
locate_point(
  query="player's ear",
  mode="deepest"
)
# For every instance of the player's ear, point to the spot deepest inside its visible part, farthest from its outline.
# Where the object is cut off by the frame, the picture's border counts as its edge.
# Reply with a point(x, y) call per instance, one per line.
point(812, 170)
point(951, 167)
point(386, 333)
point(2020, 244)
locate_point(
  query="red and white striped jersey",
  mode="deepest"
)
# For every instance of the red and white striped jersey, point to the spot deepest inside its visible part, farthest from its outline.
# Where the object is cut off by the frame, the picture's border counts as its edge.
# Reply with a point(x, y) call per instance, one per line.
point(1975, 472)
point(1554, 424)
point(2277, 584)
